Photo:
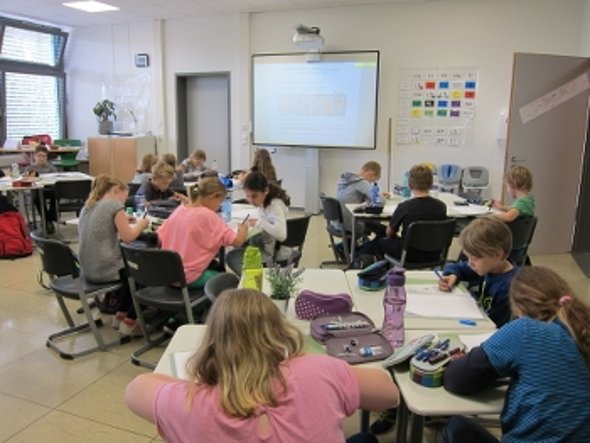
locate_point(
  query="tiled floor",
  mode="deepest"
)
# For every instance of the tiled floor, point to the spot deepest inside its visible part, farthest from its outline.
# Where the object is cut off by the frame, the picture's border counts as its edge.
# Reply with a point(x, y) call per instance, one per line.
point(46, 399)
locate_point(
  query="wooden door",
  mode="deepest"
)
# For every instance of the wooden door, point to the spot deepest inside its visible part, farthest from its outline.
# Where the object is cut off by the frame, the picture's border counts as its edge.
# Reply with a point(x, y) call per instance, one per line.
point(550, 145)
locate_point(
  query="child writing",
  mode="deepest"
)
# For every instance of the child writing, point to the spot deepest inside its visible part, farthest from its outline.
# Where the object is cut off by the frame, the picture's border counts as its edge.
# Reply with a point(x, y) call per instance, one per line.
point(197, 232)
point(519, 182)
point(103, 223)
point(546, 354)
point(42, 166)
point(177, 183)
point(273, 202)
point(158, 187)
point(486, 242)
point(251, 382)
point(195, 164)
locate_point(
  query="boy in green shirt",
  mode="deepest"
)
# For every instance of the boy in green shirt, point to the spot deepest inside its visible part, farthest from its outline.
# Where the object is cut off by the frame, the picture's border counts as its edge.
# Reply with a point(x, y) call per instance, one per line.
point(519, 182)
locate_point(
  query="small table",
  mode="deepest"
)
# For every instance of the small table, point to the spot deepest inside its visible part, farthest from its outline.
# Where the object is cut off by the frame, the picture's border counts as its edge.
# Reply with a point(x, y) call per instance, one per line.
point(461, 211)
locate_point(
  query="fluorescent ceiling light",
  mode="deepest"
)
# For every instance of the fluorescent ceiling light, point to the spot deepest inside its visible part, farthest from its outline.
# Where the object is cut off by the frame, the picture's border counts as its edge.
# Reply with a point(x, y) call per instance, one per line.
point(91, 6)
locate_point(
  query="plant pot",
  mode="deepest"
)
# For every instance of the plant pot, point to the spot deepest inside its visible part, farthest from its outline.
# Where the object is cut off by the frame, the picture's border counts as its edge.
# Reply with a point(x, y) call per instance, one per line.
point(283, 305)
point(105, 127)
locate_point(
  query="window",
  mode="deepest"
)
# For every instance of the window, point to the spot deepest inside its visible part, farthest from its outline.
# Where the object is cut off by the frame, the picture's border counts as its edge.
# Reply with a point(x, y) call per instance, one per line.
point(32, 80)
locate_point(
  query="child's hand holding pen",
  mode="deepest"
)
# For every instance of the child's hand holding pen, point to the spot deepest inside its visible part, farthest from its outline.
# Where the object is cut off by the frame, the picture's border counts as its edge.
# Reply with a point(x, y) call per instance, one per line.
point(446, 282)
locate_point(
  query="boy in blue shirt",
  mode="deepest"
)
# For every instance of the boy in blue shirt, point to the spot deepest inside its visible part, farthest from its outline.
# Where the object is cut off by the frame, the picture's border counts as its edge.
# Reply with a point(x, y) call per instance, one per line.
point(487, 243)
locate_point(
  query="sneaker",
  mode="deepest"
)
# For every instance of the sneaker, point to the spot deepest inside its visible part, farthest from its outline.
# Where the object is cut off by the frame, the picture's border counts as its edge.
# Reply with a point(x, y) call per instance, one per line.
point(339, 250)
point(118, 318)
point(130, 327)
point(384, 423)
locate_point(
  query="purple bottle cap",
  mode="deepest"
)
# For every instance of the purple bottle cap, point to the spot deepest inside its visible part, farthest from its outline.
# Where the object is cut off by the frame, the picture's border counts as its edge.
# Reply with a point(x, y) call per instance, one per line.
point(396, 276)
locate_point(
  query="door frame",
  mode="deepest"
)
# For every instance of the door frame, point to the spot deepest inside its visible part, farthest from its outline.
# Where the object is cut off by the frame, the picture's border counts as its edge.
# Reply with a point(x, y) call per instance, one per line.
point(182, 79)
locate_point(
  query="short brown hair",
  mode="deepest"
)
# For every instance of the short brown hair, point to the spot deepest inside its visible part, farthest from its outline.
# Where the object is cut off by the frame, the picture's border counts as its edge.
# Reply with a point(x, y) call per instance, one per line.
point(163, 170)
point(169, 159)
point(520, 178)
point(420, 177)
point(199, 154)
point(374, 167)
point(485, 236)
point(41, 148)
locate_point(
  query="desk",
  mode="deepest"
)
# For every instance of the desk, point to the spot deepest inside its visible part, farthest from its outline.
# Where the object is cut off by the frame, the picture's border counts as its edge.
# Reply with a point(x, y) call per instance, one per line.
point(435, 402)
point(371, 304)
point(449, 199)
point(6, 186)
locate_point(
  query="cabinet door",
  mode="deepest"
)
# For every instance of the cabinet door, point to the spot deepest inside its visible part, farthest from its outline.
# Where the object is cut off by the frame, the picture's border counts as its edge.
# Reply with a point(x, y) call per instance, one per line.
point(124, 158)
point(99, 156)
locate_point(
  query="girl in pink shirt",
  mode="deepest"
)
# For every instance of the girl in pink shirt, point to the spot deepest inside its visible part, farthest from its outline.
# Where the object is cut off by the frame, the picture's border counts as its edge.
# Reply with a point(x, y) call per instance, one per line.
point(251, 382)
point(197, 232)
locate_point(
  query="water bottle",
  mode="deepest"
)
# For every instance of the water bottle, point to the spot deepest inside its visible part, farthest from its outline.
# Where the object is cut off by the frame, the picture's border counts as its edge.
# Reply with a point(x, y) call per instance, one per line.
point(14, 170)
point(394, 306)
point(375, 195)
point(251, 269)
point(226, 209)
point(214, 165)
point(139, 203)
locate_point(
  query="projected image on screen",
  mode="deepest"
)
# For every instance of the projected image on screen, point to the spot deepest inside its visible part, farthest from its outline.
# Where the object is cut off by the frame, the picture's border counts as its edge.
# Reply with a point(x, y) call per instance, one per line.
point(327, 103)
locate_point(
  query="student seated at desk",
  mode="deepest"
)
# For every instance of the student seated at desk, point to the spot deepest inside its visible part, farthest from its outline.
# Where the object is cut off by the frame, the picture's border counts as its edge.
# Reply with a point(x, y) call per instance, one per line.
point(273, 203)
point(420, 207)
point(177, 183)
point(251, 382)
point(144, 171)
point(486, 242)
point(42, 166)
point(519, 182)
point(103, 223)
point(197, 232)
point(356, 188)
point(195, 164)
point(158, 187)
point(546, 354)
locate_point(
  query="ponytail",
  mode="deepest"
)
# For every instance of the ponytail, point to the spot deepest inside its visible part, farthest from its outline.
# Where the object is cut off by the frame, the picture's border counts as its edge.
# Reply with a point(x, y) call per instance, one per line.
point(205, 187)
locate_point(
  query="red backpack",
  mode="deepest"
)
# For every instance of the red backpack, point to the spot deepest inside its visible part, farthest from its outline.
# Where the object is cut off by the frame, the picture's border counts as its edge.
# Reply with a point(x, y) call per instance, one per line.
point(14, 236)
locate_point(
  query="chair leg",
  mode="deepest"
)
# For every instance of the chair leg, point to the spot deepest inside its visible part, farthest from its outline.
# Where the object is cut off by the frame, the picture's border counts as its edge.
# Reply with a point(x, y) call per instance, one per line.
point(91, 325)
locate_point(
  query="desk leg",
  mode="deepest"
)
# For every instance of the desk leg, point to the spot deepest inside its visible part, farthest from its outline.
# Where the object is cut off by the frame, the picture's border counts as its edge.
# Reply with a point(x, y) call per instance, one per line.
point(365, 417)
point(353, 239)
point(416, 428)
point(42, 206)
point(401, 422)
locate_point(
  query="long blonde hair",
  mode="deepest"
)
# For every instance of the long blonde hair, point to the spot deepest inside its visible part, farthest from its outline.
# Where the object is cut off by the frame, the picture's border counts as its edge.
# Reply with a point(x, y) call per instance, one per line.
point(100, 186)
point(542, 294)
point(246, 341)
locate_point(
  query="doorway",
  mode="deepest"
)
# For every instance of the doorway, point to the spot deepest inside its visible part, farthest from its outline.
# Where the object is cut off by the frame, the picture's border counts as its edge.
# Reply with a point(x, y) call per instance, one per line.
point(203, 117)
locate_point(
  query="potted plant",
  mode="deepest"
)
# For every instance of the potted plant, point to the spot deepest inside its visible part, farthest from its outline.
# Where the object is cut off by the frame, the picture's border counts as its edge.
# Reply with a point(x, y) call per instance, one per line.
point(105, 112)
point(283, 283)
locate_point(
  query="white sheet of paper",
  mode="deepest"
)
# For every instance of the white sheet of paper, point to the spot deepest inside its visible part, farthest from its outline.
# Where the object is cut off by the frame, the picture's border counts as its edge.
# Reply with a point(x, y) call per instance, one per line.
point(178, 363)
point(472, 340)
point(429, 301)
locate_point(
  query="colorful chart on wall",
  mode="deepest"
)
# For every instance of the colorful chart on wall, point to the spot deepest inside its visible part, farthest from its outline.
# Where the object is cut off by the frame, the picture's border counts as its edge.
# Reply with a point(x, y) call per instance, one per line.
point(436, 106)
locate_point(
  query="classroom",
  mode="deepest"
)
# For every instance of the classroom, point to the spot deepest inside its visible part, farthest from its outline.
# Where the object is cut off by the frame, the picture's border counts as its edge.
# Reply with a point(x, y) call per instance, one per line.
point(165, 58)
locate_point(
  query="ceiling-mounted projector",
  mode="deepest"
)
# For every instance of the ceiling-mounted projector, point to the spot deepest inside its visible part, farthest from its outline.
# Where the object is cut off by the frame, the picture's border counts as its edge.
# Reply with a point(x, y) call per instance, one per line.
point(308, 38)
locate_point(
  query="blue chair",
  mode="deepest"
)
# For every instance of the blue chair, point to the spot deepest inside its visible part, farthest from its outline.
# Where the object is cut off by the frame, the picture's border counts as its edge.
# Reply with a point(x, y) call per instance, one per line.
point(449, 178)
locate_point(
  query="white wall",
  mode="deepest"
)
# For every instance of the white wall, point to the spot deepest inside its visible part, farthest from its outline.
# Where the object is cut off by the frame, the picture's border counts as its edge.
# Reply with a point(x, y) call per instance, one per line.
point(419, 35)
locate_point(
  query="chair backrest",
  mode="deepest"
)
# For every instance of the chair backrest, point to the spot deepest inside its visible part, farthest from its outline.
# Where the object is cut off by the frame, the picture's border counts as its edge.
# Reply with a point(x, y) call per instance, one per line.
point(449, 174)
point(133, 188)
point(234, 258)
point(296, 232)
point(431, 239)
point(219, 283)
point(522, 229)
point(475, 176)
point(331, 209)
point(57, 258)
point(72, 189)
point(153, 267)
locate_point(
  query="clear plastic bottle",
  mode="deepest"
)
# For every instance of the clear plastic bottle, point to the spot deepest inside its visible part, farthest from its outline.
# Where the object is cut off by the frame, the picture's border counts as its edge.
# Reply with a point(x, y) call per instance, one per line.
point(394, 306)
point(14, 170)
point(226, 208)
point(139, 204)
point(375, 195)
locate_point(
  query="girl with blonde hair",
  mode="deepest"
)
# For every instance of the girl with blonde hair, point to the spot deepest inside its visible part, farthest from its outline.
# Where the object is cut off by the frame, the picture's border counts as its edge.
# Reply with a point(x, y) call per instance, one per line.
point(197, 232)
point(103, 223)
point(251, 382)
point(546, 354)
point(144, 171)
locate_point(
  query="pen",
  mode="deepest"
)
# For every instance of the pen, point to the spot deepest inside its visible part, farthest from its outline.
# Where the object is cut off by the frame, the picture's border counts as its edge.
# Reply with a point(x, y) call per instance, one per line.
point(440, 277)
point(246, 218)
